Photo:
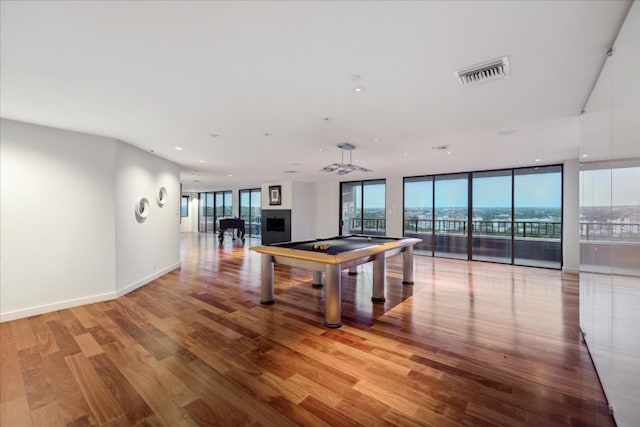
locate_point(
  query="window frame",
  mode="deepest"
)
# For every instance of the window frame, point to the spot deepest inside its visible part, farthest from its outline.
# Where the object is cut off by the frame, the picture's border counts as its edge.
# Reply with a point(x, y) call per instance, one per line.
point(186, 206)
point(470, 206)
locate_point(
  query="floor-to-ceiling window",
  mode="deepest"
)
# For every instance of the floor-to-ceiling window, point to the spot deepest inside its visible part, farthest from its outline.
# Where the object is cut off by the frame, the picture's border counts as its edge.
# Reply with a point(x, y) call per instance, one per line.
point(213, 206)
point(205, 213)
point(516, 215)
point(537, 209)
point(418, 212)
point(451, 215)
point(223, 206)
point(251, 210)
point(363, 207)
point(491, 216)
point(184, 206)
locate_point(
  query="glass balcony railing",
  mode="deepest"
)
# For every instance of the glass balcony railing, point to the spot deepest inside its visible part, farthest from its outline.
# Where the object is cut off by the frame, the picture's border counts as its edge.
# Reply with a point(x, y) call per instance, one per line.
point(610, 231)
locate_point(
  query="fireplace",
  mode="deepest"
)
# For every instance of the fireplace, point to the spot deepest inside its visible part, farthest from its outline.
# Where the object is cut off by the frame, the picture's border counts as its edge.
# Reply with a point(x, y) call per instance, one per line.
point(276, 226)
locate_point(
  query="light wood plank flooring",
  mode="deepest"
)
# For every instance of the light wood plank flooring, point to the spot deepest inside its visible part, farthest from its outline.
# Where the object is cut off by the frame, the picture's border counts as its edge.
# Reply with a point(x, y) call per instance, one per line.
point(468, 344)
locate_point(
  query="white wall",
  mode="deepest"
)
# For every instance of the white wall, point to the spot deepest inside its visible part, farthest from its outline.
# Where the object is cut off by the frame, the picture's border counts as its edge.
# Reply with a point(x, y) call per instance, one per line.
point(57, 219)
point(145, 250)
point(570, 217)
point(327, 212)
point(395, 203)
point(609, 294)
point(304, 211)
point(300, 198)
point(69, 233)
point(286, 195)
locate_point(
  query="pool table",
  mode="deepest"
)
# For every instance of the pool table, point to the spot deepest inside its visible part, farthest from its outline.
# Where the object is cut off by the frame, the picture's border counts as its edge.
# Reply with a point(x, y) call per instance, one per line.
point(343, 252)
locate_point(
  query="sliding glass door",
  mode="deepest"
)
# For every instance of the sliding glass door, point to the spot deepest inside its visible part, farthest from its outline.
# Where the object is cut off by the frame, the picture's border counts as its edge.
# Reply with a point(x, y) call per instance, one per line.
point(538, 216)
point(491, 216)
point(451, 215)
point(206, 222)
point(418, 212)
point(251, 211)
point(516, 215)
point(363, 207)
point(213, 206)
point(223, 206)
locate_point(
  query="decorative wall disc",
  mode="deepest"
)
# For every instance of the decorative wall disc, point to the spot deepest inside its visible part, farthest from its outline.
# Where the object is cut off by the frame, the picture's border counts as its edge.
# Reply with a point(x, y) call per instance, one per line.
point(142, 209)
point(162, 196)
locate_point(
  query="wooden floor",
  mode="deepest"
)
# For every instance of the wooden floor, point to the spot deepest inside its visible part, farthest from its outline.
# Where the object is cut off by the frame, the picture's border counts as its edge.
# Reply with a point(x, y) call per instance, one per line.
point(468, 344)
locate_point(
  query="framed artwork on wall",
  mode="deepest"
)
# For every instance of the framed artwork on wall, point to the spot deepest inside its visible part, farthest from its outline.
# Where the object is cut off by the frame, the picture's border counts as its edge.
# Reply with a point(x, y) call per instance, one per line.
point(275, 193)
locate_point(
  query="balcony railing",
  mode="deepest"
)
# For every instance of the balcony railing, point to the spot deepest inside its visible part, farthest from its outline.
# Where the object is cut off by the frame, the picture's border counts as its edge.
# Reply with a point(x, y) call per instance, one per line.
point(367, 224)
point(610, 231)
point(524, 229)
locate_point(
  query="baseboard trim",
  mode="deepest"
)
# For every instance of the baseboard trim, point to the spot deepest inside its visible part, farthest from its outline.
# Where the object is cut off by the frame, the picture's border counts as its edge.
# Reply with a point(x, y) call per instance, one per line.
point(60, 305)
point(139, 283)
point(570, 270)
point(75, 302)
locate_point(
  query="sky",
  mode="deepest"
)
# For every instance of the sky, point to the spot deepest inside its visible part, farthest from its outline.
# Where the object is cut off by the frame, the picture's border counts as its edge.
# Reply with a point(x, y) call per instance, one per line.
point(596, 187)
point(532, 190)
point(541, 190)
point(535, 190)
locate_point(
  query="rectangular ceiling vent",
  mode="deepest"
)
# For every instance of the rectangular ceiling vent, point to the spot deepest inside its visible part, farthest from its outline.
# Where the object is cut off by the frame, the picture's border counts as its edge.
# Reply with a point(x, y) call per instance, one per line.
point(484, 72)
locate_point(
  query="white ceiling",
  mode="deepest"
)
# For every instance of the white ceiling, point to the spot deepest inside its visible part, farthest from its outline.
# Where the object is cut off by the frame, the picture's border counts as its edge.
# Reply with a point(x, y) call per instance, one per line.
point(164, 74)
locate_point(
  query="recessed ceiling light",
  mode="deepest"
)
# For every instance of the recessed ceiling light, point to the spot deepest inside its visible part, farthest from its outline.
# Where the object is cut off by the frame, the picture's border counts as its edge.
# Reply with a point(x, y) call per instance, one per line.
point(230, 175)
point(196, 181)
point(214, 135)
point(268, 134)
point(359, 89)
point(321, 149)
point(376, 140)
point(441, 147)
point(585, 155)
point(538, 160)
point(506, 132)
point(355, 78)
point(291, 171)
point(202, 161)
point(151, 151)
point(406, 154)
point(179, 148)
point(326, 119)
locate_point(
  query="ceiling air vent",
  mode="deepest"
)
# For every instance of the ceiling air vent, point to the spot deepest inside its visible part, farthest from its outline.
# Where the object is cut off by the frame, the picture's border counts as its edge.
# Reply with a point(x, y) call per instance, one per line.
point(484, 72)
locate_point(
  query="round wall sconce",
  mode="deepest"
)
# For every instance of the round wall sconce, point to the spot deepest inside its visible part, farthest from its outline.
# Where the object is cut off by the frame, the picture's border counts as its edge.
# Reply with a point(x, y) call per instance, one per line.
point(162, 196)
point(142, 209)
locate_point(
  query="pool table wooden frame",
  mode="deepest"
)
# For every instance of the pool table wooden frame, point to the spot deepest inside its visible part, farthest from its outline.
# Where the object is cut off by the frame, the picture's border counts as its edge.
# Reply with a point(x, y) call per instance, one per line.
point(331, 266)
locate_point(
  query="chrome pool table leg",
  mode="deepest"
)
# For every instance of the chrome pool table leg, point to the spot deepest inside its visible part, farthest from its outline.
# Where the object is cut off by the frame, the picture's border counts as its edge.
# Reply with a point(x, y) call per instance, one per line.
point(267, 280)
point(379, 264)
point(332, 297)
point(407, 266)
point(317, 279)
